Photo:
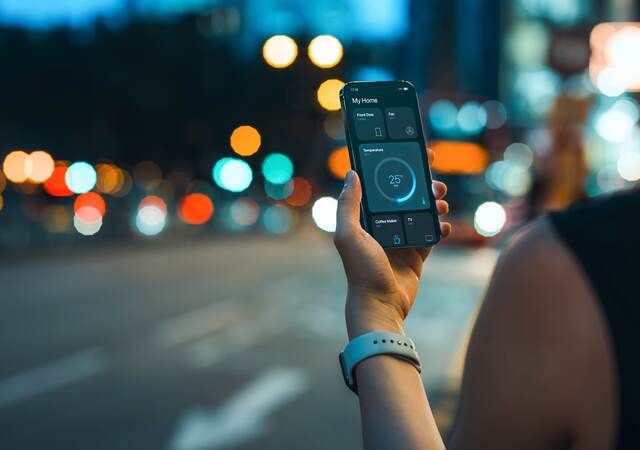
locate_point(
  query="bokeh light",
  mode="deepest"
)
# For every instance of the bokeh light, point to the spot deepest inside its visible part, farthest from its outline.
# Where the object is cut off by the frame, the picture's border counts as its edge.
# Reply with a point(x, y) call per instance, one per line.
point(621, 52)
point(610, 83)
point(489, 219)
point(629, 166)
point(91, 199)
point(110, 178)
point(56, 218)
point(245, 140)
point(80, 177)
point(616, 124)
point(325, 51)
point(280, 51)
point(235, 175)
point(245, 211)
point(216, 170)
point(277, 219)
point(324, 213)
point(195, 209)
point(338, 162)
point(334, 126)
point(147, 175)
point(15, 166)
point(87, 221)
point(372, 73)
point(328, 94)
point(519, 154)
point(443, 115)
point(151, 217)
point(614, 66)
point(459, 157)
point(88, 214)
point(277, 168)
point(301, 194)
point(472, 118)
point(39, 166)
point(496, 114)
point(278, 191)
point(56, 185)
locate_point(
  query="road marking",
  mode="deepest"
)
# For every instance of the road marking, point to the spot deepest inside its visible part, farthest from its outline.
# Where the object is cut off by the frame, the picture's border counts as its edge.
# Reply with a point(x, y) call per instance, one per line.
point(52, 376)
point(213, 349)
point(197, 323)
point(243, 416)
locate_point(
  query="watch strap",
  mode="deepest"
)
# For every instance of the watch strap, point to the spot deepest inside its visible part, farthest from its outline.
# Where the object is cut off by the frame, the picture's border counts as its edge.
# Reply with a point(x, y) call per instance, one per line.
point(373, 344)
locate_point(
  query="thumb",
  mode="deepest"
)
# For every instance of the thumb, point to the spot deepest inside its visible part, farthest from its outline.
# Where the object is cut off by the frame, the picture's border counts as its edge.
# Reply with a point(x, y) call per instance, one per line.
point(348, 215)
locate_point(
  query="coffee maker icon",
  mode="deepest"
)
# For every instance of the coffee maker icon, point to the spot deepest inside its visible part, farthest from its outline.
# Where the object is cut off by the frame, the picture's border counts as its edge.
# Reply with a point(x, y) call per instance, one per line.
point(396, 239)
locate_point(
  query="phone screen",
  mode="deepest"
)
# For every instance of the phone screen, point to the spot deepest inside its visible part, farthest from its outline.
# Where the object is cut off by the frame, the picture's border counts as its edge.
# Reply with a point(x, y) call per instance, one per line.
point(387, 148)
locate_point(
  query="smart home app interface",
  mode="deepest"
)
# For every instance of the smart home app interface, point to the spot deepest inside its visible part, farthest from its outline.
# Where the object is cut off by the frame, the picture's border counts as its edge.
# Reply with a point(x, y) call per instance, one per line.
point(390, 155)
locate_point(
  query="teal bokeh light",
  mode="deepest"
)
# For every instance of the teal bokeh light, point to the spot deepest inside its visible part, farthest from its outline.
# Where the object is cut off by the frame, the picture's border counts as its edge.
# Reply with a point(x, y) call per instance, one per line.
point(80, 177)
point(277, 168)
point(232, 174)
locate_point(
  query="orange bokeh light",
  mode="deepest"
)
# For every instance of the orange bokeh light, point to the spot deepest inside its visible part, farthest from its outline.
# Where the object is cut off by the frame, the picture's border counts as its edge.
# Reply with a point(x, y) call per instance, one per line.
point(301, 192)
point(92, 199)
point(110, 178)
point(195, 209)
point(463, 158)
point(339, 163)
point(39, 166)
point(15, 166)
point(245, 140)
point(56, 184)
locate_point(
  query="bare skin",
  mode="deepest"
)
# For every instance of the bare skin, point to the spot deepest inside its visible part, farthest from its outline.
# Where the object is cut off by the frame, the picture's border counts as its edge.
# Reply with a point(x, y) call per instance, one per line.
point(539, 372)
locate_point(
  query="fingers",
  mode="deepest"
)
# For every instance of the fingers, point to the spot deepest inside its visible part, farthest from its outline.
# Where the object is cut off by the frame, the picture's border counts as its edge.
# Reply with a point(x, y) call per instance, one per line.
point(348, 215)
point(439, 189)
point(443, 207)
point(445, 229)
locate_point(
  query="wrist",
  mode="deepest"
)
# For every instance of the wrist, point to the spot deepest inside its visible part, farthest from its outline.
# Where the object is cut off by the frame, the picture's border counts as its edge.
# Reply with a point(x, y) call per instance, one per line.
point(371, 315)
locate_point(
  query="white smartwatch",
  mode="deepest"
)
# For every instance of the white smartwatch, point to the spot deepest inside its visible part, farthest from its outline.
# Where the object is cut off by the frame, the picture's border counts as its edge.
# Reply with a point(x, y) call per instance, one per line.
point(372, 344)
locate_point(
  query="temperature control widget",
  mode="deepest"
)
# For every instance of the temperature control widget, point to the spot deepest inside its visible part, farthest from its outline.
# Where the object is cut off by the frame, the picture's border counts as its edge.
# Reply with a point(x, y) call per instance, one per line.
point(409, 229)
point(394, 176)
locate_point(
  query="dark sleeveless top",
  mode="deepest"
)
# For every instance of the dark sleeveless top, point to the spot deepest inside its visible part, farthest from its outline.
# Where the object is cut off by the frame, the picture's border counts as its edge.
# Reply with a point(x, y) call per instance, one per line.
point(604, 236)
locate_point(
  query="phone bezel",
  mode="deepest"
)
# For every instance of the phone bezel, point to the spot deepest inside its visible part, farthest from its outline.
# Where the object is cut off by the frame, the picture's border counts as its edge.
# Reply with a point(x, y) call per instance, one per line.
point(365, 214)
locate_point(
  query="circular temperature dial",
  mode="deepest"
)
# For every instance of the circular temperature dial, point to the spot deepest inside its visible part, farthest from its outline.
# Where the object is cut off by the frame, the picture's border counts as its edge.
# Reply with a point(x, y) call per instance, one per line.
point(395, 179)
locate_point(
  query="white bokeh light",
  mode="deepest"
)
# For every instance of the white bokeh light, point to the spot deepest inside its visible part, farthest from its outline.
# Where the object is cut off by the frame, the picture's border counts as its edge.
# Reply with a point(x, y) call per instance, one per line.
point(629, 166)
point(489, 219)
point(150, 220)
point(324, 213)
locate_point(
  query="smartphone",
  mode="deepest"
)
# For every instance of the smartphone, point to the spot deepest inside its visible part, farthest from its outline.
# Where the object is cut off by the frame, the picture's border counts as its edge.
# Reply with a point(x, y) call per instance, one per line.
point(387, 149)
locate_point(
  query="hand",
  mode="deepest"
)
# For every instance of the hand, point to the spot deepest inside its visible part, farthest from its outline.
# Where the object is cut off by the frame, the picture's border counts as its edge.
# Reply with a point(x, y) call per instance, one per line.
point(382, 285)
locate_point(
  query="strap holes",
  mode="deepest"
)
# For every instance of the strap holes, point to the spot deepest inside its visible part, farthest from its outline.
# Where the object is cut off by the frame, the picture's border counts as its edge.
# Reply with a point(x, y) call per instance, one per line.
point(375, 342)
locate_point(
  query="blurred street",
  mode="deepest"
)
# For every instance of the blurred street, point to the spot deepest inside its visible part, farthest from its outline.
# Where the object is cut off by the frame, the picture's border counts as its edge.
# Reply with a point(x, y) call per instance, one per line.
point(215, 344)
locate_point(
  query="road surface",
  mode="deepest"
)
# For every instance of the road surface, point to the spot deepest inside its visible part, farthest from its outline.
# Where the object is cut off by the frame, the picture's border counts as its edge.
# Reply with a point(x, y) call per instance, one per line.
point(224, 344)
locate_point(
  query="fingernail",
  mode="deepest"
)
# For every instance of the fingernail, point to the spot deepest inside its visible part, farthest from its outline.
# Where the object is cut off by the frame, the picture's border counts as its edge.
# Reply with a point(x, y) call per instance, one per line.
point(349, 178)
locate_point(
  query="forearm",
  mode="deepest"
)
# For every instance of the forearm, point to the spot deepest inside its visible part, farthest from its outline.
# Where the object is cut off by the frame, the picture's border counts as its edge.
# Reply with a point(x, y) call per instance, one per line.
point(395, 411)
point(394, 407)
